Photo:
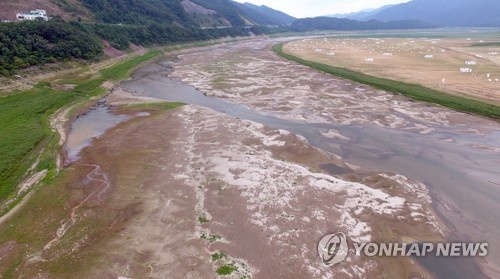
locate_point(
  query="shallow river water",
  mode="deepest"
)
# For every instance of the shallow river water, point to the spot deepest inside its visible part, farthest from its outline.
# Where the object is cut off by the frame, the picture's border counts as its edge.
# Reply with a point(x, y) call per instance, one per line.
point(463, 179)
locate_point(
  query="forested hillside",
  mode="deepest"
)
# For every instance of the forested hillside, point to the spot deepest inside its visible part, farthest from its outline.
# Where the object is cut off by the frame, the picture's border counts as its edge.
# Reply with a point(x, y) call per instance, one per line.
point(279, 18)
point(157, 34)
point(264, 15)
point(329, 23)
point(138, 11)
point(24, 44)
point(80, 33)
point(32, 43)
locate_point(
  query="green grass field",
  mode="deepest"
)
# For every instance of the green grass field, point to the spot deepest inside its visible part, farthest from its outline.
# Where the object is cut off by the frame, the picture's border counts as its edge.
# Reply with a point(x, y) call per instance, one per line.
point(24, 121)
point(414, 91)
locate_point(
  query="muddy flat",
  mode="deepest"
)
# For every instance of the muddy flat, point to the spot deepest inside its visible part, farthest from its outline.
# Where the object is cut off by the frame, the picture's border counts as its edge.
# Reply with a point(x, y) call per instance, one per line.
point(267, 157)
point(453, 153)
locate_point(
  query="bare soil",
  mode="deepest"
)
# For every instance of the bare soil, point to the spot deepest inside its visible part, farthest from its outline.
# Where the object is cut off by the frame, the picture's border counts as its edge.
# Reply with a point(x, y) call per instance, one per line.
point(157, 196)
point(139, 214)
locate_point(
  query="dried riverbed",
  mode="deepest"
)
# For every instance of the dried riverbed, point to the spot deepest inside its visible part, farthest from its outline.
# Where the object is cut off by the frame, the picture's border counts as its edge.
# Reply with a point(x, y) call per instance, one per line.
point(208, 183)
point(184, 192)
point(454, 154)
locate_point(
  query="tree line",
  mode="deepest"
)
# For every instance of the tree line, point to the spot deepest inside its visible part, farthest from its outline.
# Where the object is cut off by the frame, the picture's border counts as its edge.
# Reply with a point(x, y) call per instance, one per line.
point(119, 36)
point(30, 43)
point(332, 23)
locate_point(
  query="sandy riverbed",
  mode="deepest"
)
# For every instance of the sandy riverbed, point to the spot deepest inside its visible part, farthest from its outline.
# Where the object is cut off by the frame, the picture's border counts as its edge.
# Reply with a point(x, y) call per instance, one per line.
point(261, 194)
point(175, 187)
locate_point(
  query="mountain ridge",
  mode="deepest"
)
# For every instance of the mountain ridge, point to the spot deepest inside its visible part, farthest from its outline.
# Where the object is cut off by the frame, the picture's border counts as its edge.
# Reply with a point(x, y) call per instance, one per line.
point(344, 24)
point(458, 13)
point(270, 12)
point(363, 14)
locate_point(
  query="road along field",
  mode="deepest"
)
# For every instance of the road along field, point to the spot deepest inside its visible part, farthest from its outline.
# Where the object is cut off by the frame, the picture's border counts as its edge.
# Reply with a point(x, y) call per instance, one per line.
point(462, 66)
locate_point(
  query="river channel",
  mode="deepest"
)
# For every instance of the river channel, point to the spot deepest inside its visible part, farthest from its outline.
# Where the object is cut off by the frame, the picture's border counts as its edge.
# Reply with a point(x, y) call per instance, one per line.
point(463, 179)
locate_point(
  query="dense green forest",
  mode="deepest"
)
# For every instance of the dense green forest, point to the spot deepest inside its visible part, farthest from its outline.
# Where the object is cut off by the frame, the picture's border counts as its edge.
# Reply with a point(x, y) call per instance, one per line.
point(24, 44)
point(119, 36)
point(38, 42)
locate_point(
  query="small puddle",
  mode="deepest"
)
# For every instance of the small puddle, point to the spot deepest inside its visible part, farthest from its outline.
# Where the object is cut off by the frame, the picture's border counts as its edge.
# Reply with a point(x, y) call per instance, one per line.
point(451, 267)
point(90, 125)
point(334, 169)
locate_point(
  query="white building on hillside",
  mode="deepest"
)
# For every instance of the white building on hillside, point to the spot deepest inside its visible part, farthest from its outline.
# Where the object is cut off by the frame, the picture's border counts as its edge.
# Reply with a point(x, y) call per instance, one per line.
point(33, 15)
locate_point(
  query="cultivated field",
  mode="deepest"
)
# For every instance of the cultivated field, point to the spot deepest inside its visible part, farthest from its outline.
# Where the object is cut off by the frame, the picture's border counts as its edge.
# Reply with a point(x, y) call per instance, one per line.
point(466, 64)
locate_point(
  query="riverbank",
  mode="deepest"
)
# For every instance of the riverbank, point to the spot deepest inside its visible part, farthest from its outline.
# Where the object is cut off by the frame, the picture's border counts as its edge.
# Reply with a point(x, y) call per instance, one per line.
point(453, 153)
point(415, 91)
point(202, 184)
point(202, 191)
point(29, 143)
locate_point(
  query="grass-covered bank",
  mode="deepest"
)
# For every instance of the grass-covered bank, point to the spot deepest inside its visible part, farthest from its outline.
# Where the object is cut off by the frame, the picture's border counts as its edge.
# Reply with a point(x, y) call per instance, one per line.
point(25, 132)
point(82, 248)
point(414, 91)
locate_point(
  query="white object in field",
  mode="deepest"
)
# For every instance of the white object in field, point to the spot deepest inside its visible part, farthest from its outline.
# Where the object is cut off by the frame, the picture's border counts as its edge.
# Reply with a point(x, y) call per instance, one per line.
point(429, 56)
point(488, 75)
point(369, 59)
point(33, 15)
point(465, 70)
point(470, 63)
point(443, 80)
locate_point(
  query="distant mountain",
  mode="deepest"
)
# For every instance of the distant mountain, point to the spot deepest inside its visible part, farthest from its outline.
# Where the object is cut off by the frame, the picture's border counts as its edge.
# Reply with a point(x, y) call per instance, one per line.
point(279, 17)
point(452, 13)
point(361, 15)
point(238, 14)
point(331, 23)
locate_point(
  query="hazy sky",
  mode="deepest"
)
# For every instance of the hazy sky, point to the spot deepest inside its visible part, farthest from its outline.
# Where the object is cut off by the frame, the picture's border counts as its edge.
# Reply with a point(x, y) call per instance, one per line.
point(311, 8)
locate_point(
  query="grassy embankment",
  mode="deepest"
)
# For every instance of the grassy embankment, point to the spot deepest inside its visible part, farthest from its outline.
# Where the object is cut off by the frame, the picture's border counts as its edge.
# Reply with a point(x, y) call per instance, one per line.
point(25, 132)
point(35, 224)
point(414, 91)
point(494, 44)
